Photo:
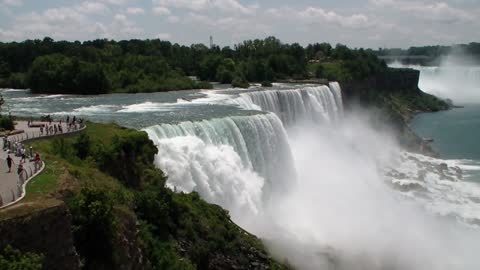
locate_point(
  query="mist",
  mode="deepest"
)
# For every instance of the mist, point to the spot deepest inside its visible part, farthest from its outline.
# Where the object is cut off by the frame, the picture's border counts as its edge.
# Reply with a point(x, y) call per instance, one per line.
point(457, 78)
point(342, 215)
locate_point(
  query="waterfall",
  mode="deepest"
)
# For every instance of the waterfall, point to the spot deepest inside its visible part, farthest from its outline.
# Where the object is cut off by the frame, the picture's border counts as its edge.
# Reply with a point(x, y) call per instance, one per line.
point(237, 162)
point(318, 103)
point(459, 83)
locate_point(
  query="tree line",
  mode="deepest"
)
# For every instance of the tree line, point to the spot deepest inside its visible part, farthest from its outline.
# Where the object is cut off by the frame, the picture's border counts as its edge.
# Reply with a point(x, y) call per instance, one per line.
point(432, 54)
point(103, 66)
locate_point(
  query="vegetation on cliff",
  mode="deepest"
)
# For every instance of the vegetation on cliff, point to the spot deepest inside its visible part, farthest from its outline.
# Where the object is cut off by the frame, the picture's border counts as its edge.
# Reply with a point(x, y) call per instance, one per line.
point(12, 259)
point(6, 122)
point(107, 178)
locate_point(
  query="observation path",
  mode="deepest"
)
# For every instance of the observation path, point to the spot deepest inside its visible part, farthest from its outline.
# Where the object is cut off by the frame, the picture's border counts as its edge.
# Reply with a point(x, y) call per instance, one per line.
point(12, 185)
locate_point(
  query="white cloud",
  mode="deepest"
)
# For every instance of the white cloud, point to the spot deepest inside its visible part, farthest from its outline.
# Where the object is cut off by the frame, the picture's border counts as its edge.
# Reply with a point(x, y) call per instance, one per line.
point(135, 11)
point(161, 11)
point(82, 22)
point(173, 19)
point(232, 6)
point(116, 2)
point(432, 11)
point(92, 8)
point(319, 15)
point(16, 3)
point(163, 36)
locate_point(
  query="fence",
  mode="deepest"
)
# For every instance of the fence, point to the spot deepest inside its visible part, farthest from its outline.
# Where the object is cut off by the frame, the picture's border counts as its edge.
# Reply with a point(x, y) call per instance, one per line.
point(27, 174)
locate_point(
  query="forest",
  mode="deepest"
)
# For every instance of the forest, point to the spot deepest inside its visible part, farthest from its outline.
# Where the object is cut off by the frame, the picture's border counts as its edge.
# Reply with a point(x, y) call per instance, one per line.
point(472, 50)
point(131, 66)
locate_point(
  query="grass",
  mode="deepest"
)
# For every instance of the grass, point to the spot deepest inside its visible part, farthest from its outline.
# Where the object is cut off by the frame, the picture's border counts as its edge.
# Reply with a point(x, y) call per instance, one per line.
point(61, 176)
point(44, 184)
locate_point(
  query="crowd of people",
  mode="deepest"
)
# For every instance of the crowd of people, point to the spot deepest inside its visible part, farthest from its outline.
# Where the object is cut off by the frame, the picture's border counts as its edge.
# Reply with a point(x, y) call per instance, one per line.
point(72, 124)
point(19, 149)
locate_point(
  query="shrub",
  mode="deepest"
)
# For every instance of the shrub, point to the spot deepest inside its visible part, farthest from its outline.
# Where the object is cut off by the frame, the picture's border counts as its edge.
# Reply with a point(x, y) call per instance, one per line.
point(6, 123)
point(82, 146)
point(93, 227)
point(12, 259)
point(239, 82)
point(267, 84)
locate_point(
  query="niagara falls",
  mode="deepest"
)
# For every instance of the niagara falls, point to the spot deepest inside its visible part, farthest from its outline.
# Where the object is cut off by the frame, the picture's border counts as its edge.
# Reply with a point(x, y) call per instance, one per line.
point(239, 135)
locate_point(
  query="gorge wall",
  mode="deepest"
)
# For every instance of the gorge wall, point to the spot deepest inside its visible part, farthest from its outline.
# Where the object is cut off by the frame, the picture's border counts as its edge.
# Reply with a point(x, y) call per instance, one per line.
point(46, 232)
point(398, 97)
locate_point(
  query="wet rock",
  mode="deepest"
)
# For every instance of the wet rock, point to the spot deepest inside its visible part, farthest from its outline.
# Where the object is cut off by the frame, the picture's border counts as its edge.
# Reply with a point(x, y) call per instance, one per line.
point(422, 174)
point(410, 186)
point(443, 167)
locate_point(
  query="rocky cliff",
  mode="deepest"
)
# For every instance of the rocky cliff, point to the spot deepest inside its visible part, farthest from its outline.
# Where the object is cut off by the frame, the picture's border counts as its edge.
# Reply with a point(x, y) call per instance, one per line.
point(396, 94)
point(47, 232)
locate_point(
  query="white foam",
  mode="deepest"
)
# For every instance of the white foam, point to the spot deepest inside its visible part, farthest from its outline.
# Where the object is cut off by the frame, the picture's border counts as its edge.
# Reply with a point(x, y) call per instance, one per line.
point(96, 109)
point(148, 107)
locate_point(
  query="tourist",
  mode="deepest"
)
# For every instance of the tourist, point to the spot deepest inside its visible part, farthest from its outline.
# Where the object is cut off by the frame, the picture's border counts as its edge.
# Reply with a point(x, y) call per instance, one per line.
point(55, 129)
point(37, 161)
point(20, 170)
point(9, 163)
point(41, 130)
point(5, 142)
point(19, 149)
point(23, 154)
point(68, 119)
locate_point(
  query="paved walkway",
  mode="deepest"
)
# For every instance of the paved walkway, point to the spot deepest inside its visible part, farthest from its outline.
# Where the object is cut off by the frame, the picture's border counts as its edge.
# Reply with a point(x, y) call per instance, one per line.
point(12, 187)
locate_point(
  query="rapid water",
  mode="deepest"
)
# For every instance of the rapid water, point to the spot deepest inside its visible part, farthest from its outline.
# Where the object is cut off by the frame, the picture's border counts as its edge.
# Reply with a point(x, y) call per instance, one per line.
point(325, 189)
point(237, 162)
point(318, 103)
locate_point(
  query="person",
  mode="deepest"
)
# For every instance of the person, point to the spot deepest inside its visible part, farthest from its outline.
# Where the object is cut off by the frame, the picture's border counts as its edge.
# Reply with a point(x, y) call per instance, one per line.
point(68, 119)
point(41, 130)
point(5, 145)
point(20, 169)
point(22, 151)
point(37, 163)
point(9, 163)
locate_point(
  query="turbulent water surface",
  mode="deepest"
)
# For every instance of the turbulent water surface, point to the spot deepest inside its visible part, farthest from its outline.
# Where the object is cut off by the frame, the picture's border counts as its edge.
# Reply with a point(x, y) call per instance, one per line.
point(323, 187)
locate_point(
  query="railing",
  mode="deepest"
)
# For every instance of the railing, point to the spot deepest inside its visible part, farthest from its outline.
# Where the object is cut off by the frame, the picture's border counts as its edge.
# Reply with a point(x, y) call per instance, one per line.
point(27, 174)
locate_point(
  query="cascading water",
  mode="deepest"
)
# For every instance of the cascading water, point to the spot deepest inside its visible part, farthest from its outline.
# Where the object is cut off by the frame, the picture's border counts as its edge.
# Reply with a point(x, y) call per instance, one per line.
point(317, 103)
point(238, 162)
point(450, 80)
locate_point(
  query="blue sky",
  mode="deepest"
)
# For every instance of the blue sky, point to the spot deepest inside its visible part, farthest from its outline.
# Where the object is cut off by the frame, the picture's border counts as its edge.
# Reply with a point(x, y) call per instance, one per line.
point(359, 23)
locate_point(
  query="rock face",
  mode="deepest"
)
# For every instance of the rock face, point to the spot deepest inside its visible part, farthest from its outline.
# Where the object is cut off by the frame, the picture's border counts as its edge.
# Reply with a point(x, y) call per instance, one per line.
point(395, 92)
point(392, 81)
point(127, 246)
point(47, 232)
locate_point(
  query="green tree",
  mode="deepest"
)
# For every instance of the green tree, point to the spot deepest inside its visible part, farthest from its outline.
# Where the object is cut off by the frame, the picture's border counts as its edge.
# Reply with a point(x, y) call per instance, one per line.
point(12, 259)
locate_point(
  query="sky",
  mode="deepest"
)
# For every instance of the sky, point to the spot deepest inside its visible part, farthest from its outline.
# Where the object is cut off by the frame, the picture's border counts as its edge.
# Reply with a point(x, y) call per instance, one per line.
point(356, 23)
